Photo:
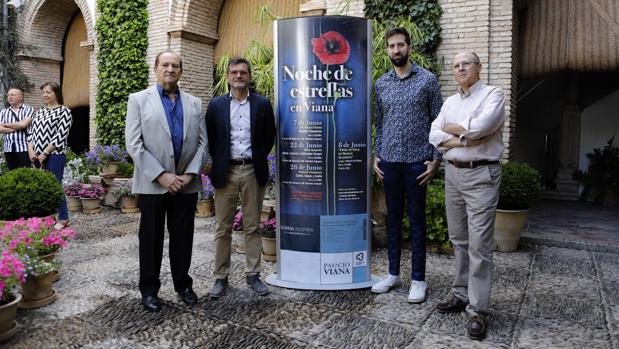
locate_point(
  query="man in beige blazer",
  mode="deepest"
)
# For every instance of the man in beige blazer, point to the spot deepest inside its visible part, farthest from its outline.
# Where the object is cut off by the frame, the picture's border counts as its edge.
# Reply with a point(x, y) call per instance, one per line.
point(166, 138)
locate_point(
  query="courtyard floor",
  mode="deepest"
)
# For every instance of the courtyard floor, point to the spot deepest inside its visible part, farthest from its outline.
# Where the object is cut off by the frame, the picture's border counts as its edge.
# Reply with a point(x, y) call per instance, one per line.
point(560, 289)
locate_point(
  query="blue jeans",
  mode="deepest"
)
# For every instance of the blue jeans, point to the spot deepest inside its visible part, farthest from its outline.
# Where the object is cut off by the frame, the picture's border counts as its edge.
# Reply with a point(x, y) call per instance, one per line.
point(400, 183)
point(55, 164)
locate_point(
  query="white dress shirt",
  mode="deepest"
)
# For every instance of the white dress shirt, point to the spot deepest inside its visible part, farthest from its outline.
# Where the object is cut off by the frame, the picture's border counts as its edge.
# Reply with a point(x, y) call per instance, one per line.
point(481, 112)
point(240, 129)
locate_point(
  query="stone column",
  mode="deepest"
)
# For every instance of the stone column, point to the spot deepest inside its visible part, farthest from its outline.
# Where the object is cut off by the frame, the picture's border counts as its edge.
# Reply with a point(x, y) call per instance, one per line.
point(569, 144)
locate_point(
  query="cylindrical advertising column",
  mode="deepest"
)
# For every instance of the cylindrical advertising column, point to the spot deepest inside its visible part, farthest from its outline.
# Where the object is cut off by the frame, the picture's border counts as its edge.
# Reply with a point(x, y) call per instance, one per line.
point(322, 100)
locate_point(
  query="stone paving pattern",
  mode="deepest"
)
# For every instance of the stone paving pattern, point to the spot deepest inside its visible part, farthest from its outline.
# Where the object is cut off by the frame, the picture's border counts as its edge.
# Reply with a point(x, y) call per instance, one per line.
point(548, 294)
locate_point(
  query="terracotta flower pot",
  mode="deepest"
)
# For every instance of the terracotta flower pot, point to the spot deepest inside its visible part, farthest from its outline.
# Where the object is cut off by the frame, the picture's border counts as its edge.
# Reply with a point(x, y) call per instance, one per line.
point(507, 228)
point(269, 249)
point(37, 292)
point(111, 168)
point(238, 236)
point(8, 326)
point(50, 258)
point(129, 204)
point(204, 208)
point(91, 205)
point(268, 210)
point(74, 203)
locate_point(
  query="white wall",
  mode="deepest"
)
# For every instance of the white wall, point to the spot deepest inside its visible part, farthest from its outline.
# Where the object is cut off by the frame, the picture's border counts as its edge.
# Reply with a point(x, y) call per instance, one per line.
point(598, 123)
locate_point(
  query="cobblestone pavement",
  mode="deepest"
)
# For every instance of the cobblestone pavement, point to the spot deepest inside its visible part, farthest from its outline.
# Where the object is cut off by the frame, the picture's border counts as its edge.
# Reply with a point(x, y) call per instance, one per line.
point(551, 293)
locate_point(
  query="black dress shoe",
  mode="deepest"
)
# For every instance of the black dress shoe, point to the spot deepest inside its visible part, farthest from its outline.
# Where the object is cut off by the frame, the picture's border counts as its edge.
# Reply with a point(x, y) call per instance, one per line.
point(188, 296)
point(257, 285)
point(151, 303)
point(476, 327)
point(452, 304)
point(219, 288)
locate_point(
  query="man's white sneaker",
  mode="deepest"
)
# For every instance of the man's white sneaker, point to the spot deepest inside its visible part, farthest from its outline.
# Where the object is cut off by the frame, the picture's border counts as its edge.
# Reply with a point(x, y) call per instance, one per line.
point(417, 292)
point(386, 284)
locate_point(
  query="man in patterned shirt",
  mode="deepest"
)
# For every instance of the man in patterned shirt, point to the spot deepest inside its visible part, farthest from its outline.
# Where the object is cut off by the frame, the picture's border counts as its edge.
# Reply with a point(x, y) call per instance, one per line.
point(14, 122)
point(408, 98)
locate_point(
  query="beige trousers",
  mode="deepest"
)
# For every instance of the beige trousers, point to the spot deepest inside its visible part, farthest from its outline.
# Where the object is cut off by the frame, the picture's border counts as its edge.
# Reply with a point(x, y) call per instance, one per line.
point(471, 196)
point(241, 179)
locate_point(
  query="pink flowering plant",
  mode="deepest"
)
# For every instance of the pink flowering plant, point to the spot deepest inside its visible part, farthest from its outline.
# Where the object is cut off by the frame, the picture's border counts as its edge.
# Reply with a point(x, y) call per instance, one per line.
point(267, 227)
point(91, 192)
point(237, 224)
point(73, 189)
point(12, 273)
point(33, 238)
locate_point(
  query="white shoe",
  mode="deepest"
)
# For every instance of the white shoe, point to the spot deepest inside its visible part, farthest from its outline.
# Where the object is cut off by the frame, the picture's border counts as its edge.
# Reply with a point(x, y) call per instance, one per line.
point(417, 292)
point(386, 284)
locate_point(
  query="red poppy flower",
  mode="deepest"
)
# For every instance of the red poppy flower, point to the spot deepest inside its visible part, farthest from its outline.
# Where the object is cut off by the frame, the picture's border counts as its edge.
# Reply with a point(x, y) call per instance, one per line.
point(331, 48)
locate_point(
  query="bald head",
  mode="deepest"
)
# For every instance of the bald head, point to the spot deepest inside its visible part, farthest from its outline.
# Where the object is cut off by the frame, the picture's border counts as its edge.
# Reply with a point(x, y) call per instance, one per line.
point(15, 97)
point(466, 68)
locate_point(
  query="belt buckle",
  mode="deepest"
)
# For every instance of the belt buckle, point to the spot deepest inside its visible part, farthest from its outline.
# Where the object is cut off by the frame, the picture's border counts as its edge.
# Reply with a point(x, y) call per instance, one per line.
point(243, 161)
point(471, 164)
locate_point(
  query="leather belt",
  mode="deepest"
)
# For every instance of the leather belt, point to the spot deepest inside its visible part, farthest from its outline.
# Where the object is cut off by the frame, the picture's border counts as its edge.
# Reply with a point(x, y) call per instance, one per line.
point(241, 161)
point(472, 164)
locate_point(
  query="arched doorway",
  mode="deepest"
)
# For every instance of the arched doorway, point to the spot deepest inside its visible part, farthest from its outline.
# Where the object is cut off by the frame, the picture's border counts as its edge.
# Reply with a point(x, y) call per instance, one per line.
point(57, 36)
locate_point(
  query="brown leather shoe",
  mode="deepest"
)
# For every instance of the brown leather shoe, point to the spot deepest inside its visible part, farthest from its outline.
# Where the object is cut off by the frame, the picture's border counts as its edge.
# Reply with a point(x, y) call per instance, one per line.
point(476, 327)
point(452, 304)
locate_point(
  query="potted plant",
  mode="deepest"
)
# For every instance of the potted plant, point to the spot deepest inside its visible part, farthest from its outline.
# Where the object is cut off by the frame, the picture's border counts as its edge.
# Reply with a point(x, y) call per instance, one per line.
point(36, 236)
point(106, 157)
point(601, 180)
point(269, 242)
point(204, 207)
point(91, 198)
point(28, 192)
point(520, 185)
point(36, 243)
point(12, 275)
point(128, 200)
point(72, 191)
point(238, 235)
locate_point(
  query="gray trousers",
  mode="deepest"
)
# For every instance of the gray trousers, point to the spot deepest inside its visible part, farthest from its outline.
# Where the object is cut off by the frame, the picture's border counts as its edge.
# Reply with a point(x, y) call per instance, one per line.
point(471, 196)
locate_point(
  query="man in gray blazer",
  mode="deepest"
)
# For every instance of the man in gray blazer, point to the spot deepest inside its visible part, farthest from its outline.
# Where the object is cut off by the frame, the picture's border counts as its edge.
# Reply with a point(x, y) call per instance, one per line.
point(166, 138)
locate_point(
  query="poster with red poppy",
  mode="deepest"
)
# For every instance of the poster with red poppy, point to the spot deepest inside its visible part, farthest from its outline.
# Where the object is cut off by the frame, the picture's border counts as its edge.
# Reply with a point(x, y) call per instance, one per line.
point(322, 101)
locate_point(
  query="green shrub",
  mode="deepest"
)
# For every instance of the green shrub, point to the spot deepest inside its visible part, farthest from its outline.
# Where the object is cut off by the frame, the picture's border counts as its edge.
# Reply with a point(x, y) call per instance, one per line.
point(28, 192)
point(520, 185)
point(436, 218)
point(601, 180)
point(125, 169)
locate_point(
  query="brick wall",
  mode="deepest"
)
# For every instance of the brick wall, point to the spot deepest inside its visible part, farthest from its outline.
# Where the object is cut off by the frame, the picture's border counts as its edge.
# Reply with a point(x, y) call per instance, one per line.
point(486, 27)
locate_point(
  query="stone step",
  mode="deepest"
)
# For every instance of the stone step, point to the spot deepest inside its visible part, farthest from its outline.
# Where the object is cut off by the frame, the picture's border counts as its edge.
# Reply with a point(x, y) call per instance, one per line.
point(559, 195)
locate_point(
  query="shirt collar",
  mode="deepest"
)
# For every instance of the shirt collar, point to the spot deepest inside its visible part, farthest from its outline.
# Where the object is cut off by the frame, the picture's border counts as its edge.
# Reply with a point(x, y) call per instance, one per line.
point(476, 86)
point(413, 70)
point(162, 92)
point(242, 101)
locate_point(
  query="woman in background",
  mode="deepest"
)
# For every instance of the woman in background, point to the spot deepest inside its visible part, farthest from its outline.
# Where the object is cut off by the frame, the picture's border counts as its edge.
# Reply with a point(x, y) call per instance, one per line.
point(47, 139)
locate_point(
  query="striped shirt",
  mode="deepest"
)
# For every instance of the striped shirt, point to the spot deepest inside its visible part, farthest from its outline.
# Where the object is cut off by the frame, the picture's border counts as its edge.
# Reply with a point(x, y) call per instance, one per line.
point(50, 126)
point(17, 138)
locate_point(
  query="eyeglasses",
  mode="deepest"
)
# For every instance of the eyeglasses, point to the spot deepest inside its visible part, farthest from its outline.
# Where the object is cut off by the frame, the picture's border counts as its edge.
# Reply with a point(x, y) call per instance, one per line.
point(464, 65)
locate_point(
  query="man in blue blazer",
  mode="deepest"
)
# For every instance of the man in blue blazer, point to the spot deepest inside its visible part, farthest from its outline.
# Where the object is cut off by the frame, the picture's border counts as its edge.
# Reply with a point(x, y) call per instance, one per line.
point(166, 138)
point(241, 134)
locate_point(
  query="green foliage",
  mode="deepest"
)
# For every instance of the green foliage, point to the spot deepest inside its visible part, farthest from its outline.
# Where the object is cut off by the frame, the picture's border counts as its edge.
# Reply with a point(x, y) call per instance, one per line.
point(437, 235)
point(520, 185)
point(436, 219)
point(12, 76)
point(28, 192)
point(601, 180)
point(125, 169)
point(3, 165)
point(122, 35)
point(424, 14)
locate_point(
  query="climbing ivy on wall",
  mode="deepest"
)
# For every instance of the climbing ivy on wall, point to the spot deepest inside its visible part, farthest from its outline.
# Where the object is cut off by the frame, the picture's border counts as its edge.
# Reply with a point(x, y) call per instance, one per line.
point(424, 14)
point(122, 36)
